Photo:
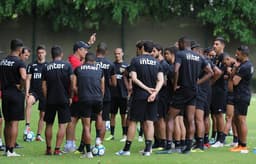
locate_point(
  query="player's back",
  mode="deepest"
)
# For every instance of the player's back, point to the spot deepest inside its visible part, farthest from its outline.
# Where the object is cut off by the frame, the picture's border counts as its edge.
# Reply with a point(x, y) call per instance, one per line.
point(190, 68)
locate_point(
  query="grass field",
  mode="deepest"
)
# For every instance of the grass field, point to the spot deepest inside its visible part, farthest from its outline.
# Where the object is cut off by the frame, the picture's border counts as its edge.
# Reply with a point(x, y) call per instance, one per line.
point(34, 152)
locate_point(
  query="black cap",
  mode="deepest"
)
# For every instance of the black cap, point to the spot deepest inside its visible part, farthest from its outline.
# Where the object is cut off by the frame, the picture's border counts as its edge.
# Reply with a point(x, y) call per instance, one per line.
point(80, 44)
point(244, 49)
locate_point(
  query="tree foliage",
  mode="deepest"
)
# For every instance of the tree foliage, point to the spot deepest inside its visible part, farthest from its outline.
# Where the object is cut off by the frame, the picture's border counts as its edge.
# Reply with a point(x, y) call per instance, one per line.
point(228, 18)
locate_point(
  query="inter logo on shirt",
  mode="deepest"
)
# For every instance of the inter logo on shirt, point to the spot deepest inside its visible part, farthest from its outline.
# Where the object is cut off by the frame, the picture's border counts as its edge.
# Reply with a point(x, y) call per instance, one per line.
point(102, 65)
point(193, 57)
point(55, 66)
point(7, 63)
point(86, 67)
point(146, 61)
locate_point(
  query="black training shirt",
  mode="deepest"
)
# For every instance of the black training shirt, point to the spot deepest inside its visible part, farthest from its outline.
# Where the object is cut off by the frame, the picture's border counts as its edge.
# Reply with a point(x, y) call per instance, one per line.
point(89, 82)
point(242, 91)
point(10, 72)
point(108, 68)
point(164, 92)
point(191, 65)
point(147, 68)
point(221, 82)
point(35, 70)
point(120, 90)
point(57, 76)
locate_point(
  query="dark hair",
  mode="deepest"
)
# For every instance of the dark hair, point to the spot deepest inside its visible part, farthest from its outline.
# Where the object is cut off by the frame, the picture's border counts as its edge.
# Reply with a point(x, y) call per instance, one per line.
point(56, 51)
point(148, 46)
point(172, 49)
point(194, 44)
point(25, 49)
point(244, 50)
point(220, 39)
point(90, 57)
point(185, 40)
point(158, 47)
point(40, 47)
point(208, 50)
point(16, 44)
point(225, 55)
point(139, 44)
point(102, 48)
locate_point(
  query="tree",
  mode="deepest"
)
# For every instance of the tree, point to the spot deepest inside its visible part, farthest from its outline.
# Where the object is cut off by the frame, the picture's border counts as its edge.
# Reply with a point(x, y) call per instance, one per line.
point(227, 17)
point(231, 18)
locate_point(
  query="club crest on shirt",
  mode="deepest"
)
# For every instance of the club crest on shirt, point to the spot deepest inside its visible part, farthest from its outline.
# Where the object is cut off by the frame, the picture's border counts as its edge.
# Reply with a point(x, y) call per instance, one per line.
point(121, 69)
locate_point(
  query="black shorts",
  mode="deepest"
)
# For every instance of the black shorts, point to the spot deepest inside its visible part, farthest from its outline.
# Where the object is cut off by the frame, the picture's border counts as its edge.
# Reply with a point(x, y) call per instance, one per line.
point(118, 103)
point(230, 98)
point(13, 104)
point(162, 107)
point(41, 99)
point(202, 103)
point(219, 100)
point(62, 110)
point(182, 98)
point(86, 108)
point(106, 110)
point(74, 109)
point(241, 107)
point(141, 110)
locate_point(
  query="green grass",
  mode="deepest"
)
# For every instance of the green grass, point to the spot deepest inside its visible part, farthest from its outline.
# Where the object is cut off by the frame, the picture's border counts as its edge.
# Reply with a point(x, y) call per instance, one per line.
point(34, 152)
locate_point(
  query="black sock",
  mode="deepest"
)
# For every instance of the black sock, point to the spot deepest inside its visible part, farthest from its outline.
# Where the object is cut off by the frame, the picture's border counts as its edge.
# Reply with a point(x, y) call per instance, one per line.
point(183, 142)
point(188, 144)
point(127, 145)
point(97, 133)
point(125, 130)
point(88, 147)
point(206, 138)
point(112, 130)
point(6, 148)
point(162, 143)
point(218, 136)
point(223, 137)
point(214, 134)
point(57, 148)
point(48, 147)
point(81, 146)
point(156, 141)
point(27, 124)
point(239, 142)
point(11, 149)
point(169, 144)
point(141, 132)
point(177, 144)
point(200, 143)
point(148, 144)
point(243, 144)
point(235, 139)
